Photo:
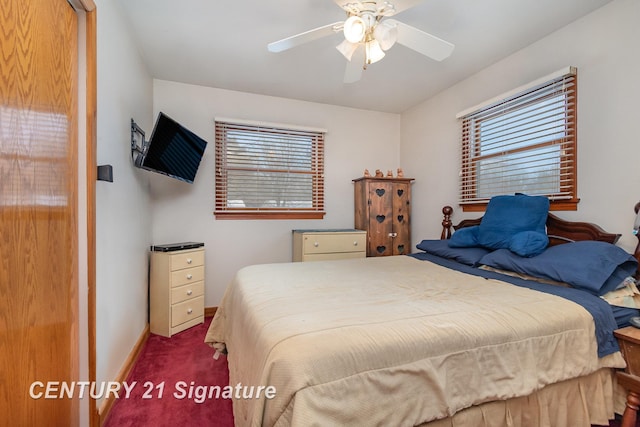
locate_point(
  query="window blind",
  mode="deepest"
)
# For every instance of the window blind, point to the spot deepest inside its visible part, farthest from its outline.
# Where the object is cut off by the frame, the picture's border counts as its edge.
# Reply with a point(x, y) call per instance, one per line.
point(525, 143)
point(263, 170)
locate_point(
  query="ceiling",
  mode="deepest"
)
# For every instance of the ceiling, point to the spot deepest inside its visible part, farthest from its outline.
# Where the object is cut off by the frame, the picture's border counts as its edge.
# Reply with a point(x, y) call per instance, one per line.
point(224, 45)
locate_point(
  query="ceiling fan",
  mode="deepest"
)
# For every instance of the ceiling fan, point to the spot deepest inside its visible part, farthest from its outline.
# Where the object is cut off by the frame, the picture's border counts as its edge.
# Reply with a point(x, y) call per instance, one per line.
point(368, 33)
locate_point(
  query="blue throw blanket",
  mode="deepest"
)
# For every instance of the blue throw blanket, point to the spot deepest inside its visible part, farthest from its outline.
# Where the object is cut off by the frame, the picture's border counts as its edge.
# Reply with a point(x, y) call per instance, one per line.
point(603, 317)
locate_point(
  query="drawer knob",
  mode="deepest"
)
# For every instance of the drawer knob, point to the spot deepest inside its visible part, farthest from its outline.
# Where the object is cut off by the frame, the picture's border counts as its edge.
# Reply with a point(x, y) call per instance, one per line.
point(189, 260)
point(316, 244)
point(189, 276)
point(189, 292)
point(189, 311)
point(355, 243)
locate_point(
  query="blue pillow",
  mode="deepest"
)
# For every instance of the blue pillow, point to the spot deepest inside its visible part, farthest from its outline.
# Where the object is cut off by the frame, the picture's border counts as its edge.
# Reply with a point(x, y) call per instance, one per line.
point(441, 248)
point(507, 216)
point(465, 237)
point(596, 267)
point(528, 243)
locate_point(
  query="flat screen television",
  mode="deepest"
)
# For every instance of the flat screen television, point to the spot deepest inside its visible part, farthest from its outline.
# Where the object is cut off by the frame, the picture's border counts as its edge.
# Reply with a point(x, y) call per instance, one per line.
point(172, 150)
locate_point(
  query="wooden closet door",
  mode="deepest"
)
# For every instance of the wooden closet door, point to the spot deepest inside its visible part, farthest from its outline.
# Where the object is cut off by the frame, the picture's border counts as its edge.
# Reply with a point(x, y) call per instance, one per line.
point(38, 209)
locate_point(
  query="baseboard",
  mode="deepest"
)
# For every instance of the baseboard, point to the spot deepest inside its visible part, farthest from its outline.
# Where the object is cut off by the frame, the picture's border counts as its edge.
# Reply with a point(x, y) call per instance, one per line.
point(104, 409)
point(108, 402)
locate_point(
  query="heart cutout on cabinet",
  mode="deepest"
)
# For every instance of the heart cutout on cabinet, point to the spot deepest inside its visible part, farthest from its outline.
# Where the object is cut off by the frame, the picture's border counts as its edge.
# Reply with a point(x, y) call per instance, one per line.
point(380, 218)
point(380, 191)
point(381, 249)
point(400, 193)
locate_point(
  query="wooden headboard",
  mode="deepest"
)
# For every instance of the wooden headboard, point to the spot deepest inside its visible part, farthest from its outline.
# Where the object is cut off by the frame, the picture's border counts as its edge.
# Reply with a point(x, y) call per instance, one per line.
point(558, 230)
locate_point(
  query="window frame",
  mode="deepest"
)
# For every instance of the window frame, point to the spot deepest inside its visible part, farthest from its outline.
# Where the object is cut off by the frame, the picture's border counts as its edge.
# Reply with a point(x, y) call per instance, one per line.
point(513, 102)
point(259, 130)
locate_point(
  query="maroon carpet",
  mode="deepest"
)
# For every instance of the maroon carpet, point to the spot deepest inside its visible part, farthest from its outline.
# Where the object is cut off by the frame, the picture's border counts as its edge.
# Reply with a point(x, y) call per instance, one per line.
point(167, 370)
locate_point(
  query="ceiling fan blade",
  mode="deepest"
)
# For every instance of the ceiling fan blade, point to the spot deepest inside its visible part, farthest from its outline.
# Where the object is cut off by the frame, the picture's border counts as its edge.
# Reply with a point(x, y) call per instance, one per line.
point(353, 72)
point(307, 36)
point(424, 43)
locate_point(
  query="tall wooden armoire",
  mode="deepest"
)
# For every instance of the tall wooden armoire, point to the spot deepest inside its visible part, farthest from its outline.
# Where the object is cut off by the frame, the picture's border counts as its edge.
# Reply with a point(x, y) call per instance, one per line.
point(383, 209)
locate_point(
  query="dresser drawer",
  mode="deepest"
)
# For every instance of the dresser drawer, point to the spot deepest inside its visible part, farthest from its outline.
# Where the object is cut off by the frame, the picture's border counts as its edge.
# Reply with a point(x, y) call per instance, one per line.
point(334, 242)
point(334, 256)
point(187, 275)
point(185, 292)
point(187, 310)
point(186, 259)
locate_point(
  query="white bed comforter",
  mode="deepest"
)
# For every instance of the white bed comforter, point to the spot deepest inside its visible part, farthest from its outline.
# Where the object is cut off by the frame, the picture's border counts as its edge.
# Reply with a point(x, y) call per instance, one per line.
point(391, 341)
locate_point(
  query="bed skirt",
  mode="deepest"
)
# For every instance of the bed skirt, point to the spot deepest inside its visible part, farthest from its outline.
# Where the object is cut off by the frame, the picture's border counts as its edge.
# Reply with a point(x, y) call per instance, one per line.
point(583, 401)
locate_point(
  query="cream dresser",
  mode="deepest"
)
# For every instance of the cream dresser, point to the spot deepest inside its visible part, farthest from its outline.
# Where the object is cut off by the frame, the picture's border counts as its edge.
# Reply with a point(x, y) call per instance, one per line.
point(176, 295)
point(321, 245)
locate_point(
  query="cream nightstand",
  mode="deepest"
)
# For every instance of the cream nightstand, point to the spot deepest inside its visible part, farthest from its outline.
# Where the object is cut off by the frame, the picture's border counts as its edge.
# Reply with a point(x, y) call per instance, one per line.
point(322, 245)
point(176, 290)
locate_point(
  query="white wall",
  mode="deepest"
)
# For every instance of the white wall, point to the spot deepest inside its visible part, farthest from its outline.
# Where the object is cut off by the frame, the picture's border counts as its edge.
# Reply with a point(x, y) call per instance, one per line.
point(356, 139)
point(123, 227)
point(604, 47)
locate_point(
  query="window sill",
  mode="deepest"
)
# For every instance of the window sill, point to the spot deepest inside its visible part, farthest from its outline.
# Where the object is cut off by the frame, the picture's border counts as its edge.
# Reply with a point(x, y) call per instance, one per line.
point(560, 205)
point(268, 215)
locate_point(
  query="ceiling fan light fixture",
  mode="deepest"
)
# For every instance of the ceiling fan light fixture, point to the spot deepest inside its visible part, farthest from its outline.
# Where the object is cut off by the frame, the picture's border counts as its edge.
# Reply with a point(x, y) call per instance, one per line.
point(354, 29)
point(373, 52)
point(369, 30)
point(386, 33)
point(347, 49)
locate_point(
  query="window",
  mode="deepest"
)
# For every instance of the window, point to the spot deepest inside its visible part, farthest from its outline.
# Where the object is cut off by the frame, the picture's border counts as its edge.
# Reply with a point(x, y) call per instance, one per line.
point(268, 171)
point(523, 143)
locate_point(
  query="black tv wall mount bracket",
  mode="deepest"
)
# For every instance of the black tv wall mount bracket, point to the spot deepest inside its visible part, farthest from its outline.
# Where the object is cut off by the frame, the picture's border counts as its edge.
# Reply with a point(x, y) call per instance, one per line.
point(138, 143)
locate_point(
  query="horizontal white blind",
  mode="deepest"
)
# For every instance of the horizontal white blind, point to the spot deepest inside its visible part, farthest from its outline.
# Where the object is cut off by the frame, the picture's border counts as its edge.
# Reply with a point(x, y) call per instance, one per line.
point(523, 144)
point(268, 169)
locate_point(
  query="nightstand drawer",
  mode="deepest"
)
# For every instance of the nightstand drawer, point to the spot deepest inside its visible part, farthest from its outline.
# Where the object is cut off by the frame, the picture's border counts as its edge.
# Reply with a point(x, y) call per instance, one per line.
point(187, 259)
point(335, 242)
point(188, 310)
point(629, 340)
point(187, 275)
point(185, 292)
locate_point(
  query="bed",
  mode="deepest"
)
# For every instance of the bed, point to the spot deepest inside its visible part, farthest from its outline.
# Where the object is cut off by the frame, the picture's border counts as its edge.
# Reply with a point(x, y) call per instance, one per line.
point(423, 339)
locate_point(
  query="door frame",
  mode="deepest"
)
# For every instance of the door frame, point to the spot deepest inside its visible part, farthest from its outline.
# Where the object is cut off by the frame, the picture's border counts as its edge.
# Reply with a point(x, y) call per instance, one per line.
point(86, 11)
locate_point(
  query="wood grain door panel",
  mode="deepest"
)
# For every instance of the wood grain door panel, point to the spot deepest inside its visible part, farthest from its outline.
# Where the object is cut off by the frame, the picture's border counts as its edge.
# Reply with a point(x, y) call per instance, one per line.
point(38, 208)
